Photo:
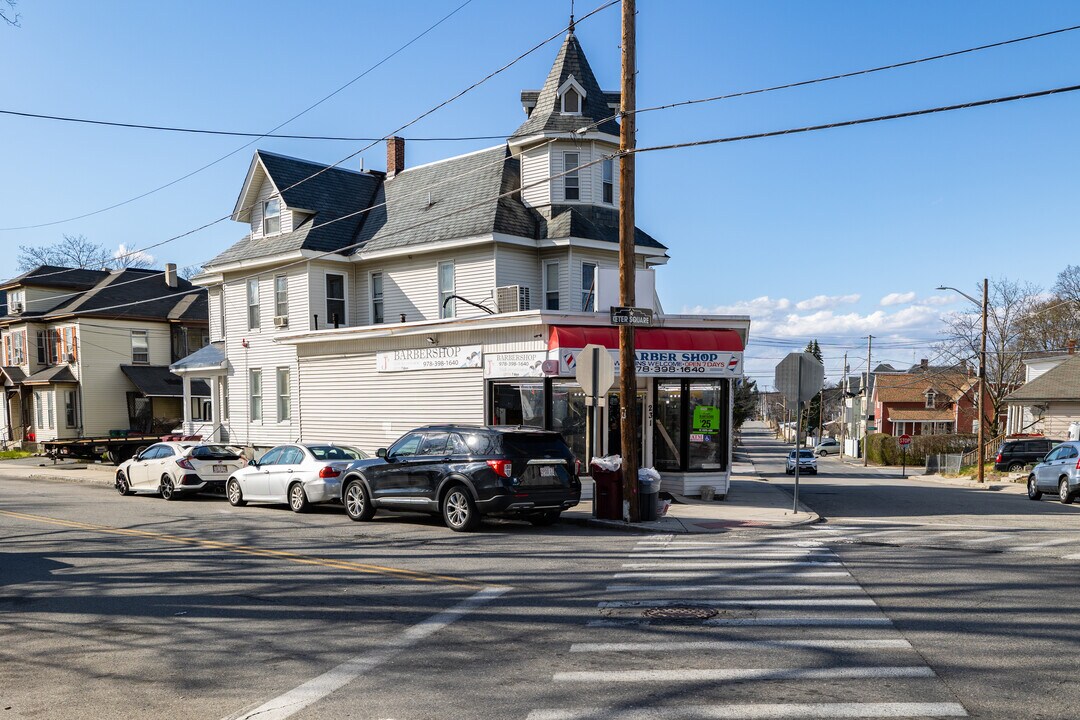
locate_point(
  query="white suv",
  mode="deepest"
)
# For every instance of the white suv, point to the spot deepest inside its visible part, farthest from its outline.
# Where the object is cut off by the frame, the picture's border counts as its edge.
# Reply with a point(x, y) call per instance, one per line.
point(1059, 472)
point(807, 462)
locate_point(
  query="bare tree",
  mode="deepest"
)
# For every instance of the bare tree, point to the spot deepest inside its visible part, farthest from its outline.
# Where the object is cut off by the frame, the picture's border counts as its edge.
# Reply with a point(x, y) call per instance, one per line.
point(1050, 325)
point(8, 14)
point(1010, 302)
point(189, 271)
point(73, 251)
point(125, 257)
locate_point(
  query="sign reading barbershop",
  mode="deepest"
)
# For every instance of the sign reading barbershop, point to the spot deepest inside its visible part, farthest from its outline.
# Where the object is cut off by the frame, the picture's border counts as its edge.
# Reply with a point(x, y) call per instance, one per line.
point(514, 365)
point(429, 358)
point(669, 363)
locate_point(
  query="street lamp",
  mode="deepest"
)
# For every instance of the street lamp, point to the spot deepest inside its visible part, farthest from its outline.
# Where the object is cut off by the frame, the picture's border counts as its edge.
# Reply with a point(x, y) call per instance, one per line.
point(980, 456)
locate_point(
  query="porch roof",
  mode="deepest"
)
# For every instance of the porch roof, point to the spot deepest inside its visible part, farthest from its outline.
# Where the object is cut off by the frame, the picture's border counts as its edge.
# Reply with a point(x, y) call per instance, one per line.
point(210, 357)
point(59, 374)
point(158, 381)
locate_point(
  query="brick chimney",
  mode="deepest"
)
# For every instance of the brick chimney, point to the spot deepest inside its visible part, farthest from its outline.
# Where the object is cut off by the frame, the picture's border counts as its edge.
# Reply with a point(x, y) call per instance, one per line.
point(395, 155)
point(924, 364)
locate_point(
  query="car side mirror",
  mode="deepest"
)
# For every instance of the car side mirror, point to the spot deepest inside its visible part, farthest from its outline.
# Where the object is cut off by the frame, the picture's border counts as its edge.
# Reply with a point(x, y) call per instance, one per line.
point(381, 453)
point(254, 463)
point(136, 457)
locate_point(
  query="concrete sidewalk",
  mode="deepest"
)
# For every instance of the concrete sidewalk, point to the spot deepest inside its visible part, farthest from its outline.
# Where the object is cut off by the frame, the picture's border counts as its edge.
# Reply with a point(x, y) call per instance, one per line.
point(999, 485)
point(40, 468)
point(751, 502)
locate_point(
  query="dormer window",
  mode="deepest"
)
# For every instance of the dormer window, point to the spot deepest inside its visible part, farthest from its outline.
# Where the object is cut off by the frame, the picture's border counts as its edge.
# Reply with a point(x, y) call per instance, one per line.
point(931, 397)
point(272, 217)
point(571, 102)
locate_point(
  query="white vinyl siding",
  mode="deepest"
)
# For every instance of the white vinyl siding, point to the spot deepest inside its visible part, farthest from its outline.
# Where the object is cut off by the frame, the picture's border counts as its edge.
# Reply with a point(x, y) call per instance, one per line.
point(602, 258)
point(410, 286)
point(517, 265)
point(535, 170)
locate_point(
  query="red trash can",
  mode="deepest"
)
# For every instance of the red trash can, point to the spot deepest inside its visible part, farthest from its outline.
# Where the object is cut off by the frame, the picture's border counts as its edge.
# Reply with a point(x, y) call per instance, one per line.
point(607, 494)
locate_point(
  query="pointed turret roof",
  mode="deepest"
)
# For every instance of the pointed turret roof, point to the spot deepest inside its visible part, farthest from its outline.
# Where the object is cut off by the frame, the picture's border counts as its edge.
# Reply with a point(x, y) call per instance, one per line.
point(546, 115)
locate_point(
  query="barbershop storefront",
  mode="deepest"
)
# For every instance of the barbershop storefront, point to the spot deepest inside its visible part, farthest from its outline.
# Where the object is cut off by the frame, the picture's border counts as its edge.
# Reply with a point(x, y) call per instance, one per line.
point(368, 386)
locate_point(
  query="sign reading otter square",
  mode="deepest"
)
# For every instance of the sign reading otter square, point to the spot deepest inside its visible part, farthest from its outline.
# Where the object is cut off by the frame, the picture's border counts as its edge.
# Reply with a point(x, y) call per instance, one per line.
point(429, 358)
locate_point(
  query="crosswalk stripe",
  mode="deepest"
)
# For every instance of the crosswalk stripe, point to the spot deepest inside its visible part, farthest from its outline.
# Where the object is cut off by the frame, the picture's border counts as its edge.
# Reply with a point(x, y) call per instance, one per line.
point(735, 645)
point(745, 674)
point(990, 538)
point(757, 711)
point(694, 574)
point(747, 586)
point(1042, 545)
point(733, 564)
point(816, 621)
point(766, 555)
point(749, 602)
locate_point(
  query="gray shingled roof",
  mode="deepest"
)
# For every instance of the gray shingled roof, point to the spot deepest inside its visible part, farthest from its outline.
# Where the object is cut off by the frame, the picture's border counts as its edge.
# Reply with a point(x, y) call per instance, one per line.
point(330, 195)
point(57, 277)
point(455, 186)
point(158, 381)
point(1061, 383)
point(51, 376)
point(208, 357)
point(589, 222)
point(546, 116)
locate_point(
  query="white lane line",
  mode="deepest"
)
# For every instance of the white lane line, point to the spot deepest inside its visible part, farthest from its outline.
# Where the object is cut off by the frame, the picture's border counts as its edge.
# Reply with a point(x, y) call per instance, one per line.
point(1074, 556)
point(763, 555)
point(743, 674)
point(319, 687)
point(735, 645)
point(1040, 546)
point(758, 711)
point(988, 538)
point(703, 574)
point(749, 602)
point(733, 588)
point(732, 564)
point(816, 621)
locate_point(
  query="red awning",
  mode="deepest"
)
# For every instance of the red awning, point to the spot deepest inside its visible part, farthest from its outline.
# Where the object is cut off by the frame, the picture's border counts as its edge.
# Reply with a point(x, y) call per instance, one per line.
point(646, 338)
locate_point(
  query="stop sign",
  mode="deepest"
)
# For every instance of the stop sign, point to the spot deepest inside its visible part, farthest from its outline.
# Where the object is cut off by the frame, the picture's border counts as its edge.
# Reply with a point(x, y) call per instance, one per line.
point(904, 440)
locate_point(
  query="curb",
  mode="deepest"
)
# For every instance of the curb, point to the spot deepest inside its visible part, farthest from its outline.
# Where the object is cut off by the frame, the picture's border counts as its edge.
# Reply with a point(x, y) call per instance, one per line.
point(85, 480)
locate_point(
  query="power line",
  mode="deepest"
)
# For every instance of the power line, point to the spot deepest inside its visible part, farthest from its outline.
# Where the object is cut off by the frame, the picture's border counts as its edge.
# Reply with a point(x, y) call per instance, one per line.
point(306, 110)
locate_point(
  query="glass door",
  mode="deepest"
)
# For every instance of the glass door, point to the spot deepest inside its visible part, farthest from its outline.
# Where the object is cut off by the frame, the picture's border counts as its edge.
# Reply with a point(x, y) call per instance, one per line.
point(613, 436)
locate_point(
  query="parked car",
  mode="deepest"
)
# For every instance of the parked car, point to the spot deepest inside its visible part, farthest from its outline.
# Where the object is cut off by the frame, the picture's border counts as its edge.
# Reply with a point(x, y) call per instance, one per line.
point(828, 446)
point(1014, 454)
point(807, 462)
point(1058, 472)
point(172, 469)
point(465, 472)
point(298, 475)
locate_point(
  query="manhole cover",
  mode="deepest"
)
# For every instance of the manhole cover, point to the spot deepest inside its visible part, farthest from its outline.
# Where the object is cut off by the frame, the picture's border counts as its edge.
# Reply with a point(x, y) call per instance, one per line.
point(680, 613)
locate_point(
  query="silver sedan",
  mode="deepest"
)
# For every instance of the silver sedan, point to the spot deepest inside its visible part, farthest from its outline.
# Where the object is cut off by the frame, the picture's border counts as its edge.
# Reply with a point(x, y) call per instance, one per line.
point(295, 474)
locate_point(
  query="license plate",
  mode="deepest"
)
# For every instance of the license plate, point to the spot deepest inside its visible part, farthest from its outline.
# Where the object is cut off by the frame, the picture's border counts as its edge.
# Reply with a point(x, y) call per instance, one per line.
point(221, 468)
point(547, 471)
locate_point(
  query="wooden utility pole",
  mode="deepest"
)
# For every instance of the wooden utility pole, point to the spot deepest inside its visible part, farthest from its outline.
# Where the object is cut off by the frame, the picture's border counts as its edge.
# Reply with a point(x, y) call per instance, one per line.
point(980, 456)
point(627, 364)
point(843, 407)
point(869, 399)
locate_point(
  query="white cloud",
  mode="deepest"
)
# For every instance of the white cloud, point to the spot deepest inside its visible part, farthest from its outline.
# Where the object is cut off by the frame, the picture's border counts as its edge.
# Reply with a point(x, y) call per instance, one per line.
point(819, 302)
point(897, 299)
point(130, 256)
point(940, 300)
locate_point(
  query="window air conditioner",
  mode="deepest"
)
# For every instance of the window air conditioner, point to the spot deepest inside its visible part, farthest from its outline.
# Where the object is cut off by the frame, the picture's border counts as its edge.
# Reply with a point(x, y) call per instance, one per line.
point(512, 298)
point(281, 321)
point(16, 308)
point(69, 357)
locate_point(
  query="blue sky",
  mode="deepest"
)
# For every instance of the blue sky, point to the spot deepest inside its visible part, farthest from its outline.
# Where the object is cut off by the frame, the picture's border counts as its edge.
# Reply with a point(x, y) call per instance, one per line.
point(809, 233)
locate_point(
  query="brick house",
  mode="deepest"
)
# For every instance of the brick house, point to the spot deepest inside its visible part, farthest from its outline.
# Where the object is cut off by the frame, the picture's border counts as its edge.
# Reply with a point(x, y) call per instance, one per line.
point(926, 400)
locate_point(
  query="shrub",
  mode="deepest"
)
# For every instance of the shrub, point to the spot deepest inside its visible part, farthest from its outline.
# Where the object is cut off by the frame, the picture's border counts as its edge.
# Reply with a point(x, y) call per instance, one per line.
point(885, 450)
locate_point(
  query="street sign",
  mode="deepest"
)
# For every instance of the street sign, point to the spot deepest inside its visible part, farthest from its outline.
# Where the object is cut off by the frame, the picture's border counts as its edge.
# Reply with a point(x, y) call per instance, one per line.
point(904, 440)
point(799, 377)
point(595, 370)
point(641, 317)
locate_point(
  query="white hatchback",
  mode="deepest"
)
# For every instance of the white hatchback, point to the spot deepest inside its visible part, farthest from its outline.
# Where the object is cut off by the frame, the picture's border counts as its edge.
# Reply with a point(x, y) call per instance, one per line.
point(171, 469)
point(295, 474)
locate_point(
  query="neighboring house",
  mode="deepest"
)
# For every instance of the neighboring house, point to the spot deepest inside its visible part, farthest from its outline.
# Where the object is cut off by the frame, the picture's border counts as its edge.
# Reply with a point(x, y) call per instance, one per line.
point(362, 304)
point(858, 411)
point(1049, 403)
point(86, 352)
point(926, 400)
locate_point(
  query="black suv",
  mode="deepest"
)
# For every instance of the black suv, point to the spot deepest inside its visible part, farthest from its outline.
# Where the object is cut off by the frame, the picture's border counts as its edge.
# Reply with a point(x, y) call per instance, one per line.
point(464, 472)
point(1014, 454)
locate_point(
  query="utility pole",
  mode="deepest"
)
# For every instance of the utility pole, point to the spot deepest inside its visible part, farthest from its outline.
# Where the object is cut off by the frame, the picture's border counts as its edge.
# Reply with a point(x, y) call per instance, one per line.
point(843, 407)
point(866, 408)
point(821, 416)
point(981, 455)
point(627, 364)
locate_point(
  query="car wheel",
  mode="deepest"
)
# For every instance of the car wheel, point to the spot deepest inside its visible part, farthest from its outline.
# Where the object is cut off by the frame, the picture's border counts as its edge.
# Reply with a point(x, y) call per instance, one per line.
point(822, 453)
point(122, 485)
point(545, 518)
point(357, 503)
point(1033, 489)
point(1064, 494)
point(298, 501)
point(459, 511)
point(1013, 467)
point(167, 488)
point(233, 492)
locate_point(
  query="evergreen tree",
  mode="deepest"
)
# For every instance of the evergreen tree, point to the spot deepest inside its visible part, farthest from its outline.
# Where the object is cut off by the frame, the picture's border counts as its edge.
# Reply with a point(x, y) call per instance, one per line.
point(812, 412)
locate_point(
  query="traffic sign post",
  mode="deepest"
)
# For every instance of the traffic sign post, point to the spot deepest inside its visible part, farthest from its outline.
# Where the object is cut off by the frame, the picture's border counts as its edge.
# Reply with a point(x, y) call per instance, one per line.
point(595, 373)
point(799, 377)
point(904, 441)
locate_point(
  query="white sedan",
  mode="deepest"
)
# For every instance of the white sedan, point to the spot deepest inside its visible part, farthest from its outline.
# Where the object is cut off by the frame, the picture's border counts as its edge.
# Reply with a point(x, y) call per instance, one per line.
point(172, 469)
point(295, 474)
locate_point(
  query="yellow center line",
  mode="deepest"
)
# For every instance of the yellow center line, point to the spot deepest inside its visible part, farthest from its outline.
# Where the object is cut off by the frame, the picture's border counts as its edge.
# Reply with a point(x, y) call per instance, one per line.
point(249, 550)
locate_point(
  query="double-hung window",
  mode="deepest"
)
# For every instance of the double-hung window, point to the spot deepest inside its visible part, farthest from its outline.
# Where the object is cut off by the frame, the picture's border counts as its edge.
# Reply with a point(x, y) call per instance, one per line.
point(608, 180)
point(551, 285)
point(140, 347)
point(255, 393)
point(281, 296)
point(18, 347)
point(588, 286)
point(335, 300)
point(284, 395)
point(253, 303)
point(50, 398)
point(571, 180)
point(446, 290)
point(376, 298)
point(71, 408)
point(271, 216)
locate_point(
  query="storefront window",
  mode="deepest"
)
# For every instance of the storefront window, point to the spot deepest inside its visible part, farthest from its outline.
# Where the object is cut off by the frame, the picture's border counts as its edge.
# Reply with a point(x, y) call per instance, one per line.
point(667, 411)
point(517, 404)
point(707, 415)
point(568, 414)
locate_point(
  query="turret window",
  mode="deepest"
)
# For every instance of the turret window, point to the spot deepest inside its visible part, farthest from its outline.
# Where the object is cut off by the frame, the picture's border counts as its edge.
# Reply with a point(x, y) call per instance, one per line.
point(571, 102)
point(571, 180)
point(609, 180)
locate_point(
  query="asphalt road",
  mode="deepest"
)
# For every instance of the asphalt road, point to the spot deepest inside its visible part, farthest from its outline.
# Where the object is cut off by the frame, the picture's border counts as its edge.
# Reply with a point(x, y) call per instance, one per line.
point(135, 607)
